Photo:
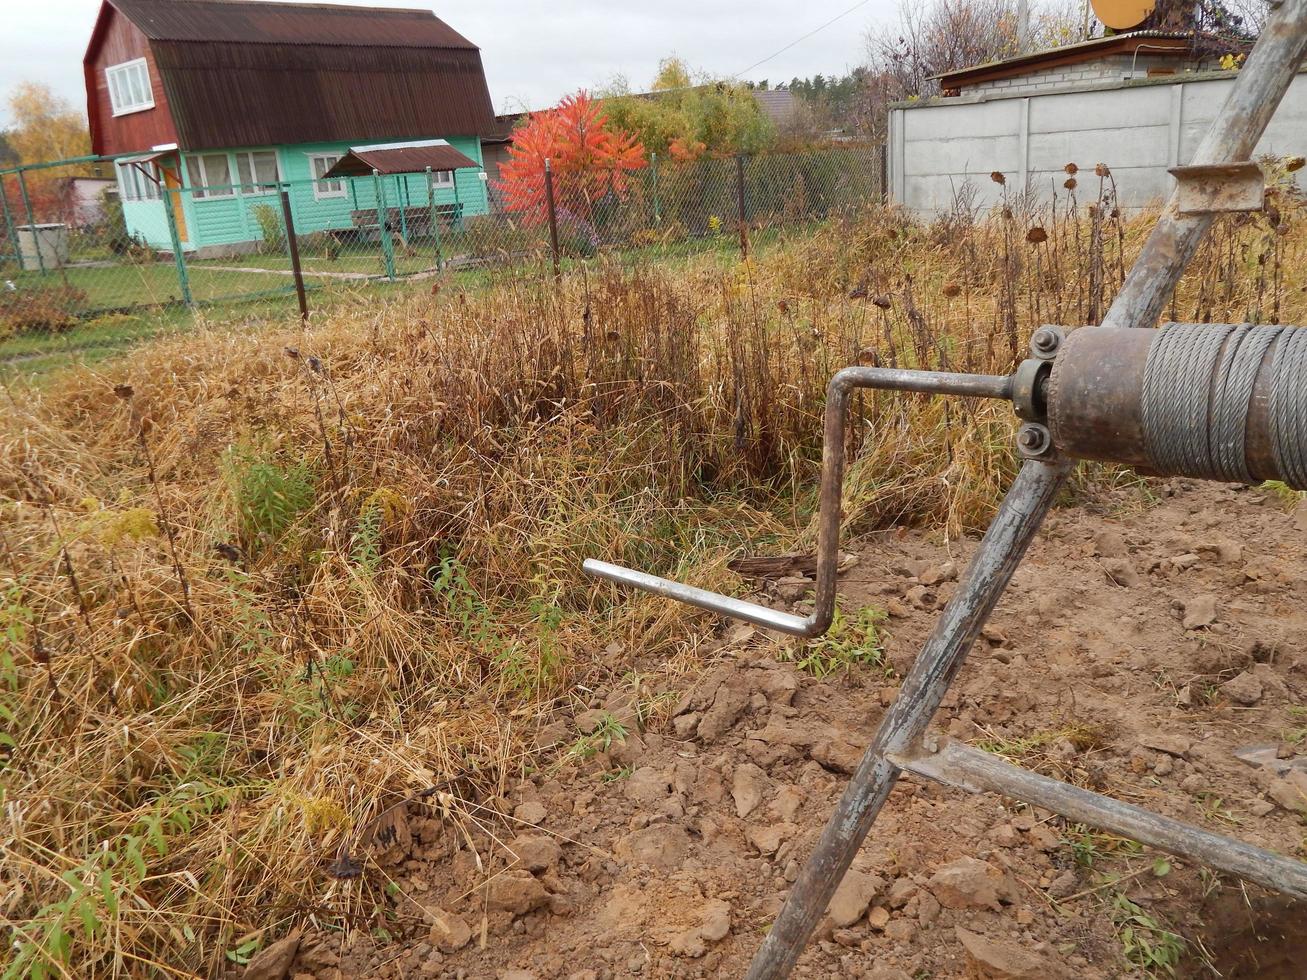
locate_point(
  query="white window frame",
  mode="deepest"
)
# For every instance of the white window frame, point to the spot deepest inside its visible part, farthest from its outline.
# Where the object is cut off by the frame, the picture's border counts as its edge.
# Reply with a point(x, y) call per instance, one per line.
point(442, 178)
point(133, 185)
point(116, 76)
point(321, 188)
point(201, 192)
point(258, 190)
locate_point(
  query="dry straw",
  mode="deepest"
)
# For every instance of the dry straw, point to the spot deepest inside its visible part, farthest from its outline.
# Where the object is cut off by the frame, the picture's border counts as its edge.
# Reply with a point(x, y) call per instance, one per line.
point(287, 580)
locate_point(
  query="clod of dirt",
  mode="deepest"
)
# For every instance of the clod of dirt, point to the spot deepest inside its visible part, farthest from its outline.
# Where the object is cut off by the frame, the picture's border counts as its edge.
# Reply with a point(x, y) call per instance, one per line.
point(714, 925)
point(836, 754)
point(588, 722)
point(648, 785)
point(969, 883)
point(936, 574)
point(769, 837)
point(1199, 611)
point(1290, 792)
point(516, 892)
point(536, 853)
point(993, 959)
point(448, 931)
point(1121, 571)
point(273, 963)
point(747, 788)
point(1109, 543)
point(531, 812)
point(1245, 689)
point(662, 846)
point(1176, 745)
point(851, 899)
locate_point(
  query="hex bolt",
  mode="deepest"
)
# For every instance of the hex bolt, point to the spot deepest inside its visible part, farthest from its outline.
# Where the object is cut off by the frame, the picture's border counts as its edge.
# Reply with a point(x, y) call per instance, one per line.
point(1045, 341)
point(1033, 439)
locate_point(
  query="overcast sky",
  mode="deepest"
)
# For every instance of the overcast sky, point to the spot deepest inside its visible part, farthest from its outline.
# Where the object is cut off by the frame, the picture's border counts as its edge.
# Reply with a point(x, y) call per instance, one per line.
point(534, 52)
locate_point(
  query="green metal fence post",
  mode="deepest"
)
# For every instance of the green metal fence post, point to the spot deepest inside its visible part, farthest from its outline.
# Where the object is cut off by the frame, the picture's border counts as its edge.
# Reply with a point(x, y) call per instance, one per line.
point(31, 226)
point(11, 232)
point(657, 205)
point(435, 218)
point(458, 207)
point(179, 260)
point(739, 193)
point(293, 249)
point(383, 226)
point(401, 197)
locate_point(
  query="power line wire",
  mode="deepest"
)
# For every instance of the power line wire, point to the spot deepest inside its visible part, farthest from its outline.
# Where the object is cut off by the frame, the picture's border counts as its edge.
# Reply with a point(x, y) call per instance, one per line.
point(800, 40)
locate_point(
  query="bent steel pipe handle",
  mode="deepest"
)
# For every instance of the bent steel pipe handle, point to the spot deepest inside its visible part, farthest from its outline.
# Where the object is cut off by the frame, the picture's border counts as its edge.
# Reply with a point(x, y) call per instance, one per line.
point(832, 479)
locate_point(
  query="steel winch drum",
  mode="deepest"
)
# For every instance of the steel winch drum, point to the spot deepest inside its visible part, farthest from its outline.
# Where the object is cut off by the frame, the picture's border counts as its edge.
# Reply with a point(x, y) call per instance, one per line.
point(1207, 400)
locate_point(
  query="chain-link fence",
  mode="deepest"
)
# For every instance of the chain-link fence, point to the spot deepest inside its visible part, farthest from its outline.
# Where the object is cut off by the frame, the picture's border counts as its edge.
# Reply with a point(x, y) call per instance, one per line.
point(87, 249)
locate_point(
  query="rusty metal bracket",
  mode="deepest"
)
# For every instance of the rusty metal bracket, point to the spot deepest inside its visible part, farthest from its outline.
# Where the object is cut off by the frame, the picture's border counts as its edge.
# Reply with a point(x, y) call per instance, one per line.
point(1219, 188)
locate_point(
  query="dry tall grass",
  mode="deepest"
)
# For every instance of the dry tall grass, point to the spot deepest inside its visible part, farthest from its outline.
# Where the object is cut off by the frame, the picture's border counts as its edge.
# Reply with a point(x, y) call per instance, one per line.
point(262, 585)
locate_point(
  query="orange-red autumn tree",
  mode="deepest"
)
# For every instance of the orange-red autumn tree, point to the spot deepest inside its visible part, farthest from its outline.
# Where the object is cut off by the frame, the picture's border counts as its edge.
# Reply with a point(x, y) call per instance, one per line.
point(589, 157)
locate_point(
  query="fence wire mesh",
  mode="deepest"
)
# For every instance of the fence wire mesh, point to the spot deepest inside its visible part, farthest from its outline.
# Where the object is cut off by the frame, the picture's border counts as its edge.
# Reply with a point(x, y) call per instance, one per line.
point(147, 242)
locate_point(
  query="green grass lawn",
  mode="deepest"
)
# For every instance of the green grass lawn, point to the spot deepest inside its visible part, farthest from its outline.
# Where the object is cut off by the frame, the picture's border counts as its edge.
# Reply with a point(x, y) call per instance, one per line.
point(127, 286)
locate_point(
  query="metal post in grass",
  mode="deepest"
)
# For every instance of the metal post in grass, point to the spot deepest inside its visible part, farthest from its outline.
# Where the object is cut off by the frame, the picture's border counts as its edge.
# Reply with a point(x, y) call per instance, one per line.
point(178, 259)
point(383, 226)
point(435, 217)
point(401, 196)
point(293, 247)
point(653, 178)
point(739, 195)
point(11, 232)
point(553, 214)
point(458, 205)
point(31, 226)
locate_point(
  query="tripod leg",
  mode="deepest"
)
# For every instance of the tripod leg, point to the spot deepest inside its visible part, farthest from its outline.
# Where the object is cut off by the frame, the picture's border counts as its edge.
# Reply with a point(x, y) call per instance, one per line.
point(936, 666)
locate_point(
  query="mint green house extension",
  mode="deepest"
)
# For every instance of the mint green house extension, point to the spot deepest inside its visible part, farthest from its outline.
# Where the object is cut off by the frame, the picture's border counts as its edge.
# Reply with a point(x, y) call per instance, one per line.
point(212, 107)
point(217, 204)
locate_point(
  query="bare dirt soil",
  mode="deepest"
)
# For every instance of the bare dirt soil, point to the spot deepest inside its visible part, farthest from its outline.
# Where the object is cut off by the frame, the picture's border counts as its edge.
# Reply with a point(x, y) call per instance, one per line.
point(1151, 633)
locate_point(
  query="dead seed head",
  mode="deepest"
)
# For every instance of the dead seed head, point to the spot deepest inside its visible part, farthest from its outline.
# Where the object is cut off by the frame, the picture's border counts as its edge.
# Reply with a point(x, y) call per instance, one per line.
point(997, 177)
point(1100, 170)
point(1071, 169)
point(1036, 235)
point(1069, 183)
point(951, 289)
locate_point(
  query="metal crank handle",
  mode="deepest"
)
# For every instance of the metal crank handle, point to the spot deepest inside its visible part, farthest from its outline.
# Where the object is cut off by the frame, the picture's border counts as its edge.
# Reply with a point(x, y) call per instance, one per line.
point(832, 479)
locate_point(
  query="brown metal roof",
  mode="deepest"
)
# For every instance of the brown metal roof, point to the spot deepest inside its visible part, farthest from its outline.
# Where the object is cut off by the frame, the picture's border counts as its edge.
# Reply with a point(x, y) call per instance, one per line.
point(1163, 43)
point(400, 158)
point(262, 22)
point(245, 73)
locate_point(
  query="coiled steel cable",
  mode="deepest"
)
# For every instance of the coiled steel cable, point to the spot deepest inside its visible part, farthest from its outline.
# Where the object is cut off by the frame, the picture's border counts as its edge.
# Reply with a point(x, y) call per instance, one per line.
point(1245, 349)
point(1288, 407)
point(1198, 390)
point(1177, 395)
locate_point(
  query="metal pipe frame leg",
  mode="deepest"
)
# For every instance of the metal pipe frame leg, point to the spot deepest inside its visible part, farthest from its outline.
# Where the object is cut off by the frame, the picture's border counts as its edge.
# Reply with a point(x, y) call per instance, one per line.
point(832, 479)
point(942, 656)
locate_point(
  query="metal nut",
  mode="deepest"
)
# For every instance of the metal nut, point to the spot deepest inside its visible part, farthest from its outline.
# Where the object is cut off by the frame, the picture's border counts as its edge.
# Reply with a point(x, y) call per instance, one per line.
point(1046, 341)
point(1034, 440)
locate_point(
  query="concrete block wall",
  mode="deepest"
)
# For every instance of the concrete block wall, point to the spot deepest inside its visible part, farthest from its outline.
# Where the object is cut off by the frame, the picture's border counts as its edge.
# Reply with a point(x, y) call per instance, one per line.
point(1138, 128)
point(1118, 68)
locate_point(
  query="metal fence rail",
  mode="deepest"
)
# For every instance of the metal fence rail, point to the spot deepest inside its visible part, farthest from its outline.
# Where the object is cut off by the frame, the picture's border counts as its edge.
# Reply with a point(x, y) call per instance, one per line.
point(150, 245)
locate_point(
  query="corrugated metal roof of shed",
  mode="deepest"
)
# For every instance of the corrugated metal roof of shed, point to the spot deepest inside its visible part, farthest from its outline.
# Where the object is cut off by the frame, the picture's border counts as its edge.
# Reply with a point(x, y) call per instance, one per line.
point(400, 158)
point(263, 22)
point(226, 95)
